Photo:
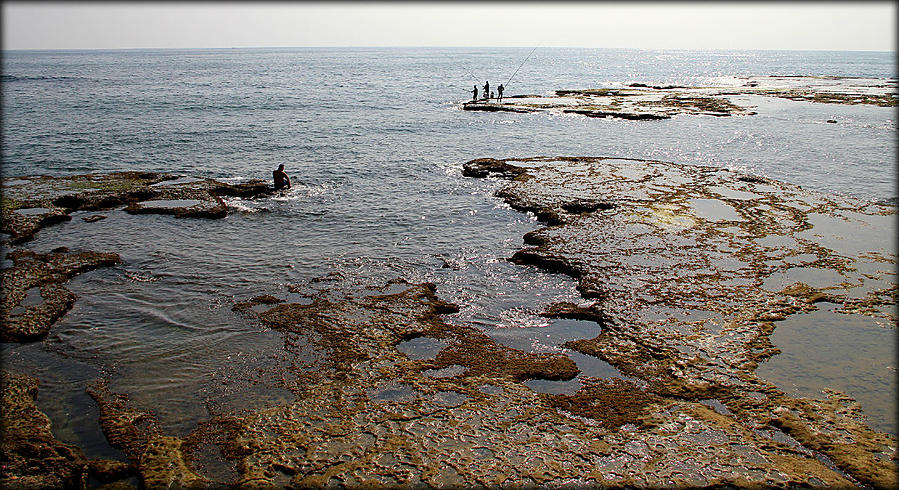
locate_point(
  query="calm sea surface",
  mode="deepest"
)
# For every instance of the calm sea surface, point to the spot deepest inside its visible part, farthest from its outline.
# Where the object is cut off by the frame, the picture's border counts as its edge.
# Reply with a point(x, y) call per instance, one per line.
point(373, 140)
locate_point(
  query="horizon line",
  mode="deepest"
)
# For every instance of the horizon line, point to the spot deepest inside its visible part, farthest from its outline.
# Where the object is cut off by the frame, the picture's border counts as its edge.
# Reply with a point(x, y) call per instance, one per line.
point(443, 46)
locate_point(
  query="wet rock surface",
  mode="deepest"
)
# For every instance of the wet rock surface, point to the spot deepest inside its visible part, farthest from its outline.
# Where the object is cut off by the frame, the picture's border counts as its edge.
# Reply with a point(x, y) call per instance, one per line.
point(33, 293)
point(158, 459)
point(639, 101)
point(30, 456)
point(31, 203)
point(685, 269)
point(374, 416)
point(689, 269)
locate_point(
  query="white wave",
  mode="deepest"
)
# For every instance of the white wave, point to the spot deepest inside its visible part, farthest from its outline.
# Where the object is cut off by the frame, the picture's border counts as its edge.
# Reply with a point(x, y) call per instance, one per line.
point(245, 205)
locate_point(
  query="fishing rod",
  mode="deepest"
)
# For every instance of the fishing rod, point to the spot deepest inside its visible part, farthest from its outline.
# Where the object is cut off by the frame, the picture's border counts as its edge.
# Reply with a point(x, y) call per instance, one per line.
point(522, 64)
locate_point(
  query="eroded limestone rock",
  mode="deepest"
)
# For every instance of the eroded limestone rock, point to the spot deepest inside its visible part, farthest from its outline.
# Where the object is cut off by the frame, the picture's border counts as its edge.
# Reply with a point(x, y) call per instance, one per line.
point(33, 293)
point(691, 266)
point(30, 456)
point(158, 459)
point(378, 417)
point(31, 203)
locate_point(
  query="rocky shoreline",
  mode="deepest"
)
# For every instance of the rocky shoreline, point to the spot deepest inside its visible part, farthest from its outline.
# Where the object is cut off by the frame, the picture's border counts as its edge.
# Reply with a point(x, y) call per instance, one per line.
point(373, 415)
point(31, 203)
point(673, 263)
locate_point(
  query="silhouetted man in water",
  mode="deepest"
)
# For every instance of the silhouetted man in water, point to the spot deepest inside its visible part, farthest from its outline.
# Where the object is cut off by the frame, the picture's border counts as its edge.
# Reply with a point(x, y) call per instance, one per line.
point(281, 178)
point(487, 91)
point(474, 94)
point(499, 92)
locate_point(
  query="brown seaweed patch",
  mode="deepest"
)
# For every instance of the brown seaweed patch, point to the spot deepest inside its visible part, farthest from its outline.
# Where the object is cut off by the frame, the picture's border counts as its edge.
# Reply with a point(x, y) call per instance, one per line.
point(266, 299)
point(808, 293)
point(611, 402)
point(889, 100)
point(46, 272)
point(483, 356)
point(159, 459)
point(714, 106)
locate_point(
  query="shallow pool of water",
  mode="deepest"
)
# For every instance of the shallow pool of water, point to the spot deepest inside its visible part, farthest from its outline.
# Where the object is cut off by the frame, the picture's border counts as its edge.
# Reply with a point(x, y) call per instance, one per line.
point(853, 354)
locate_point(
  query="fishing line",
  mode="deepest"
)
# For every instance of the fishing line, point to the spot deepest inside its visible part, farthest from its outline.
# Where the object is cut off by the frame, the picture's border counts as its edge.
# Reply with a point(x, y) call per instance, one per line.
point(522, 64)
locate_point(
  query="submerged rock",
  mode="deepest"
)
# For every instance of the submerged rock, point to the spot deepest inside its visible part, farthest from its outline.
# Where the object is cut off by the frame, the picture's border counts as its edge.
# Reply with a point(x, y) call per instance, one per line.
point(94, 218)
point(690, 266)
point(31, 203)
point(33, 293)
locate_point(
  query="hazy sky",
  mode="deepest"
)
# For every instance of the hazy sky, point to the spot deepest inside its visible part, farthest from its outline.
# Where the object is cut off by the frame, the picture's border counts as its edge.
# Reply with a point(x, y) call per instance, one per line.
point(712, 25)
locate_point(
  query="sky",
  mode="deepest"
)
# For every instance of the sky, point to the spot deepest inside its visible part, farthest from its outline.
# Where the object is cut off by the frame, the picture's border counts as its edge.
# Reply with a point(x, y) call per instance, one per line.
point(850, 26)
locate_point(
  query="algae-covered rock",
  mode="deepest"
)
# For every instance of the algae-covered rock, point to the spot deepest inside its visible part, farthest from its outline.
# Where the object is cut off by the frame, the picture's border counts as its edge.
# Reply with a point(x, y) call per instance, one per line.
point(379, 417)
point(33, 293)
point(31, 203)
point(30, 457)
point(157, 458)
point(393, 318)
point(689, 267)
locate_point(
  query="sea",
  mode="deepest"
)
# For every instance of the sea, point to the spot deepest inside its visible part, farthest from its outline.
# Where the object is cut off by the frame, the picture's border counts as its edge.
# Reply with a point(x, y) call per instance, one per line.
point(373, 140)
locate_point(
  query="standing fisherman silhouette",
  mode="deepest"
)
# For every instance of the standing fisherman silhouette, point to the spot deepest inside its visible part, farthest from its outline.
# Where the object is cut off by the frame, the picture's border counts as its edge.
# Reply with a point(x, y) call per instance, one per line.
point(474, 94)
point(281, 178)
point(499, 91)
point(487, 91)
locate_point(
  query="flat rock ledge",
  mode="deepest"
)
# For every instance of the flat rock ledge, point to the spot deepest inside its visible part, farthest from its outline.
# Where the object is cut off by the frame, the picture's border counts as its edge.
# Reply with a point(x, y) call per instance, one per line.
point(34, 297)
point(33, 202)
point(369, 414)
point(639, 101)
point(688, 268)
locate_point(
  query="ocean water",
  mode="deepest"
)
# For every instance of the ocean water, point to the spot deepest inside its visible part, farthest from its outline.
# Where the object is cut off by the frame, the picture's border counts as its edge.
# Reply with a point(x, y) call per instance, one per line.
point(374, 140)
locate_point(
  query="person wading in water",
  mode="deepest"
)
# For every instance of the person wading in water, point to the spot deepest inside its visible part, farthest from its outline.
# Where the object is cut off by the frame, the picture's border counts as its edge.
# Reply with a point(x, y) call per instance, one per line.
point(281, 178)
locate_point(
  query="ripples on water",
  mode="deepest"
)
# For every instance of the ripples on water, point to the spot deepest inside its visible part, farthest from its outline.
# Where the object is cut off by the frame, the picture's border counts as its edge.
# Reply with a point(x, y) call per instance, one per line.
point(373, 140)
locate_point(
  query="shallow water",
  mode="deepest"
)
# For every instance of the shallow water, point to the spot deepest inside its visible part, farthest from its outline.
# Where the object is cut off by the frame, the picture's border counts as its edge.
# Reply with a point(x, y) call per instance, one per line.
point(853, 354)
point(373, 140)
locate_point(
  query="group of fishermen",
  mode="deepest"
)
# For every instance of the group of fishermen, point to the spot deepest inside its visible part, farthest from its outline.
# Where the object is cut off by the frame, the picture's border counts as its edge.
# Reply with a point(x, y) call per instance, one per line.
point(282, 181)
point(487, 93)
